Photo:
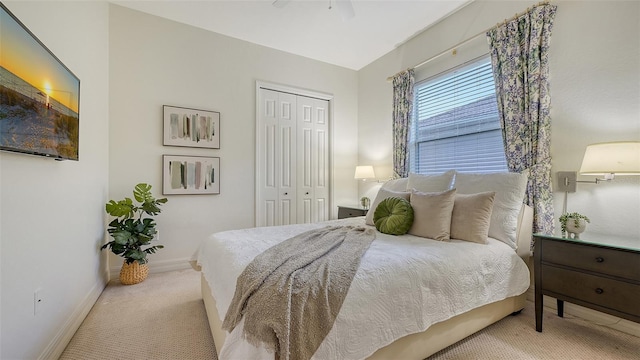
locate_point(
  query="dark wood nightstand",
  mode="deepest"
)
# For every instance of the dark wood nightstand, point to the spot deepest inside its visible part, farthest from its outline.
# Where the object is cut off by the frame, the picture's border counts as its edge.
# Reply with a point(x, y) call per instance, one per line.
point(351, 211)
point(599, 272)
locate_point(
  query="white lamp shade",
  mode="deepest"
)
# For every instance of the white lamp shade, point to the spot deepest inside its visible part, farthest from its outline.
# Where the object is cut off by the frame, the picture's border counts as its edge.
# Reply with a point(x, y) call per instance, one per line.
point(364, 172)
point(620, 158)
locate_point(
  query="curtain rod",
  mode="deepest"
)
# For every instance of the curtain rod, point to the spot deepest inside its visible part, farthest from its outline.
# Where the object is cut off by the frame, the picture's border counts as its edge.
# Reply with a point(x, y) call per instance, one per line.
point(453, 49)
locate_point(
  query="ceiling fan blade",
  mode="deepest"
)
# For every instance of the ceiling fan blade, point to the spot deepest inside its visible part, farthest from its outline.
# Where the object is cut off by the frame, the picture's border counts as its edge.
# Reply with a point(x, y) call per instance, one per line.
point(280, 3)
point(345, 8)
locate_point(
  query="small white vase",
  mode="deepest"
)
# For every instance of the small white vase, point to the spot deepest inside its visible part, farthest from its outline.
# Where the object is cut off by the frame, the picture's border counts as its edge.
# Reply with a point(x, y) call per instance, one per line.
point(574, 231)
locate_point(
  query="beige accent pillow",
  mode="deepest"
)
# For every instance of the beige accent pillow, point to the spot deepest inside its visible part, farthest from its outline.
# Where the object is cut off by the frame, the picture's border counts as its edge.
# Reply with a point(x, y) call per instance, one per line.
point(432, 214)
point(431, 183)
point(383, 194)
point(471, 216)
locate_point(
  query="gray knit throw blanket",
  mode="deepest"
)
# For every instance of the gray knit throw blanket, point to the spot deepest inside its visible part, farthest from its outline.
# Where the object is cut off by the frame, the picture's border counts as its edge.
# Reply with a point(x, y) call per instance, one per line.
point(291, 294)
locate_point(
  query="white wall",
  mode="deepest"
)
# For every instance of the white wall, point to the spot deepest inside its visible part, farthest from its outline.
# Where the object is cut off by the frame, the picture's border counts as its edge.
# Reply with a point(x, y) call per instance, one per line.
point(52, 217)
point(595, 92)
point(595, 66)
point(157, 62)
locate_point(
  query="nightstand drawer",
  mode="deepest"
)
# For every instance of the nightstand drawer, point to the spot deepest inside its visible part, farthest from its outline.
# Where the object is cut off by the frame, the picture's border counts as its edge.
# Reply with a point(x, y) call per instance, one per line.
point(610, 293)
point(347, 212)
point(591, 258)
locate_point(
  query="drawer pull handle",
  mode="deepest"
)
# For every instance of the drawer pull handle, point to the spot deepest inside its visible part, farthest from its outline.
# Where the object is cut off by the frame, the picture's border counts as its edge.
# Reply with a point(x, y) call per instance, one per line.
point(286, 193)
point(599, 259)
point(307, 193)
point(599, 291)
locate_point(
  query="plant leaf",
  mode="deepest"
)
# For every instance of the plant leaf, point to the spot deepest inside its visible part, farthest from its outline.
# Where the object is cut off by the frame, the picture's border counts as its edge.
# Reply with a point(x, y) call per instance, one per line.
point(135, 254)
point(121, 237)
point(118, 249)
point(123, 208)
point(142, 193)
point(153, 249)
point(150, 208)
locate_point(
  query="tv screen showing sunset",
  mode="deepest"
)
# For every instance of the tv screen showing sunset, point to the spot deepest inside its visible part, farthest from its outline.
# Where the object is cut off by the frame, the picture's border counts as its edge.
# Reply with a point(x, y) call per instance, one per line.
point(39, 96)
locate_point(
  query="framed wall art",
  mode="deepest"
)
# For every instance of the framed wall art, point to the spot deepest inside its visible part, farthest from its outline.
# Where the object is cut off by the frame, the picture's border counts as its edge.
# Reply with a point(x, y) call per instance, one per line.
point(191, 127)
point(188, 175)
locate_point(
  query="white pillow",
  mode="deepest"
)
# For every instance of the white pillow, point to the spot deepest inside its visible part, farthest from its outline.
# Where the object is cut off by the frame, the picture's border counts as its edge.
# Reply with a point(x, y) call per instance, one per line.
point(396, 184)
point(431, 183)
point(383, 194)
point(509, 189)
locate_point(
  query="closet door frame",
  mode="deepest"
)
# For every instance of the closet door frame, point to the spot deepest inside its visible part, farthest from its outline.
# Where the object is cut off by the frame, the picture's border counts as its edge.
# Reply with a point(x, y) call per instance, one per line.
point(259, 140)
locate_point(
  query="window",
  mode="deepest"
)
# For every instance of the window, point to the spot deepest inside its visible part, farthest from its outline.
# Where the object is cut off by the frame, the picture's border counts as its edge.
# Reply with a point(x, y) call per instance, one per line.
point(456, 124)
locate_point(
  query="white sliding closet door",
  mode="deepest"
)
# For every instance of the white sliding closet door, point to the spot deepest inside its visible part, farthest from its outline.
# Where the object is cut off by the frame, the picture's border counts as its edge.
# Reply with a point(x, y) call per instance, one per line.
point(293, 159)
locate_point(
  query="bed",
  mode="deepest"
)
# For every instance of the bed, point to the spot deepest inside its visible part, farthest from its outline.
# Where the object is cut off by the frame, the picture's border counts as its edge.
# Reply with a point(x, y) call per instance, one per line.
point(391, 310)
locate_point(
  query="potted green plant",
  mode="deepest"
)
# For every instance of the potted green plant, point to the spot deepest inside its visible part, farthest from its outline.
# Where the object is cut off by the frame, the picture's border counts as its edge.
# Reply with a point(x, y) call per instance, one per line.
point(573, 224)
point(132, 232)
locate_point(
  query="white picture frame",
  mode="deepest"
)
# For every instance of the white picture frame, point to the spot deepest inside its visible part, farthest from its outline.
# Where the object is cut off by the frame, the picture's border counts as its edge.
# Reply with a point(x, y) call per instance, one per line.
point(190, 175)
point(191, 127)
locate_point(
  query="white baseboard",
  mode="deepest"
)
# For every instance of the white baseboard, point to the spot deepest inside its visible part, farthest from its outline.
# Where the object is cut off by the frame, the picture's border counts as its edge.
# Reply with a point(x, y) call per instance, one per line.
point(59, 342)
point(156, 266)
point(592, 316)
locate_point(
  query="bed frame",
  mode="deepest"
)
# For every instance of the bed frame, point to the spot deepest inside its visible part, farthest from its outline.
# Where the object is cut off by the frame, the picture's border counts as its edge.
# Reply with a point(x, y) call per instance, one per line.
point(418, 346)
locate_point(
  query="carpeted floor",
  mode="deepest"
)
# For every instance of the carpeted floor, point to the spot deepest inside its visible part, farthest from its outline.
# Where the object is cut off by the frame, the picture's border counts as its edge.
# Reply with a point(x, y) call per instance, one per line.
point(160, 318)
point(164, 318)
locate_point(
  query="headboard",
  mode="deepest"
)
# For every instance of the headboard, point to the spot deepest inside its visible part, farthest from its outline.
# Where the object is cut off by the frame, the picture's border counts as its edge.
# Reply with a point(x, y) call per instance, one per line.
point(525, 232)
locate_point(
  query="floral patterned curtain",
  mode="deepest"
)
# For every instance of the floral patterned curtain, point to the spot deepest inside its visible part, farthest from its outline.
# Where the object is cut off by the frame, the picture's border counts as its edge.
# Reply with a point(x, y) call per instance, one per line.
point(520, 60)
point(402, 111)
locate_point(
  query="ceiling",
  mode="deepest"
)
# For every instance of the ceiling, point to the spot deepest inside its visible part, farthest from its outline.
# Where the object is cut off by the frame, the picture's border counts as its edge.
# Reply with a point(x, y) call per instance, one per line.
point(309, 27)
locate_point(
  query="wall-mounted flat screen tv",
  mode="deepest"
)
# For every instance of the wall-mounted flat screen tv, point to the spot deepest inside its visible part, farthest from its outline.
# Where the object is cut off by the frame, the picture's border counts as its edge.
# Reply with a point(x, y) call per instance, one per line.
point(39, 95)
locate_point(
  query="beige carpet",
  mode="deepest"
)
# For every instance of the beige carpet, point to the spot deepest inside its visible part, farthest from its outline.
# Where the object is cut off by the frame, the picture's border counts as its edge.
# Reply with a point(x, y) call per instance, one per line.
point(164, 318)
point(160, 318)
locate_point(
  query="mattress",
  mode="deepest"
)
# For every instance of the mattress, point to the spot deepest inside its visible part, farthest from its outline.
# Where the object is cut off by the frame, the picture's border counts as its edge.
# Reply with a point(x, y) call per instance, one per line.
point(404, 285)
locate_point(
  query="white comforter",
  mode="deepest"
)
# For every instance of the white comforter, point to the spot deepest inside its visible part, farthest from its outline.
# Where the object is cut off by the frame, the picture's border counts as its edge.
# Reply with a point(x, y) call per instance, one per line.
point(404, 285)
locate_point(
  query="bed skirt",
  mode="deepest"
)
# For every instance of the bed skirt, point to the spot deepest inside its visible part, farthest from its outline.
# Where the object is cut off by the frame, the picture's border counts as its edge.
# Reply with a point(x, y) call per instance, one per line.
point(415, 346)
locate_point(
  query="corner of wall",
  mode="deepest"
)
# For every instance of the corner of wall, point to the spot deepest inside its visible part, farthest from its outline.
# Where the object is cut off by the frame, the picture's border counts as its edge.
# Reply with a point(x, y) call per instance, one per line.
point(59, 342)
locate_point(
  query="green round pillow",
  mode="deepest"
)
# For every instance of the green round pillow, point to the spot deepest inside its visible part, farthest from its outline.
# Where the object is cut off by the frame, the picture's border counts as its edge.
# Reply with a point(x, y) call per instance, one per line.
point(393, 216)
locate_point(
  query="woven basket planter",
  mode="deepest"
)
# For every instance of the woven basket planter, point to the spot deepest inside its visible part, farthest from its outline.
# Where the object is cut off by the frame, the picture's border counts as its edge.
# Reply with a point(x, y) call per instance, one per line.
point(133, 273)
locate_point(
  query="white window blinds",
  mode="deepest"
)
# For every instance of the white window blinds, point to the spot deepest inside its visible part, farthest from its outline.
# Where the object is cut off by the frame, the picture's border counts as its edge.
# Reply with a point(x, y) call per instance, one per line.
point(456, 124)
